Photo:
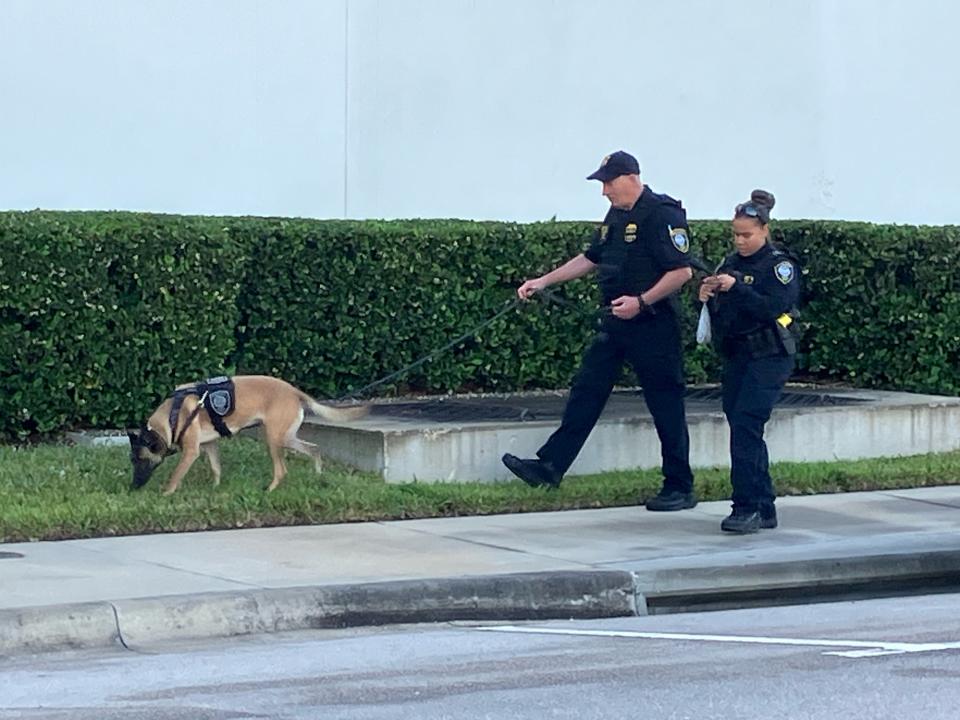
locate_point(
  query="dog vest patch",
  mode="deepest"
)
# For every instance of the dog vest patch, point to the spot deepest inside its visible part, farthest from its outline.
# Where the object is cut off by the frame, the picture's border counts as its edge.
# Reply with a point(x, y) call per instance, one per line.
point(219, 395)
point(215, 394)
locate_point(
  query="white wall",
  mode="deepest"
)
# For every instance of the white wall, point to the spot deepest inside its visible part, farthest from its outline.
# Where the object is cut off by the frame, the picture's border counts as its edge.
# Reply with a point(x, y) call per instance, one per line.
point(489, 109)
point(185, 106)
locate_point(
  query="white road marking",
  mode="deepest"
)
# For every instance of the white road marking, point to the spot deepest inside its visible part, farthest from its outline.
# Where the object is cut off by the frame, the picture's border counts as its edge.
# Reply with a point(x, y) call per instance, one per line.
point(864, 649)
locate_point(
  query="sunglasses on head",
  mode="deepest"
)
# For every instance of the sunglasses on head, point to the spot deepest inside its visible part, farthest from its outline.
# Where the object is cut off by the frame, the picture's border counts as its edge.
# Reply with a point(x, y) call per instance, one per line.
point(748, 209)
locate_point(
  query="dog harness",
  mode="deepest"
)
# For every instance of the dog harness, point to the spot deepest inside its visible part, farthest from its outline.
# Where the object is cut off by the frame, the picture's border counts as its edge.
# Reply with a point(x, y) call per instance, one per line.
point(216, 397)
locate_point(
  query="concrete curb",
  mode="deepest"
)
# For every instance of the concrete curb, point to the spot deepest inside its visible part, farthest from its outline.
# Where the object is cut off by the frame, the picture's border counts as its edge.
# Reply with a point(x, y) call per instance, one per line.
point(499, 597)
point(53, 627)
point(528, 596)
point(769, 583)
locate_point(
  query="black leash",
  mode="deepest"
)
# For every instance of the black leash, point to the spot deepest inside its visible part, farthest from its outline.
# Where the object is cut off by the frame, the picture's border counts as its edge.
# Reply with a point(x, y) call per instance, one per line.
point(546, 293)
point(556, 299)
point(698, 264)
point(549, 295)
point(507, 307)
point(175, 414)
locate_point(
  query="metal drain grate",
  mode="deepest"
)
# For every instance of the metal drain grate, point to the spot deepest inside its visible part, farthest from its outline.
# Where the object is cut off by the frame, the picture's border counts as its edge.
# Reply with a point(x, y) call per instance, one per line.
point(790, 398)
point(454, 411)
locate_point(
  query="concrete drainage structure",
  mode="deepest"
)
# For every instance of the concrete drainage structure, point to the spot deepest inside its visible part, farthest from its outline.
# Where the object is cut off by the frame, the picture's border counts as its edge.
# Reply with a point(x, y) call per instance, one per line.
point(460, 438)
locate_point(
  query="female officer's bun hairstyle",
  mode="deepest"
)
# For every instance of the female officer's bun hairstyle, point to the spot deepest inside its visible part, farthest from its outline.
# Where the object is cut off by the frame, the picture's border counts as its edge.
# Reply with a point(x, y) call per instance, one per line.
point(764, 198)
point(757, 207)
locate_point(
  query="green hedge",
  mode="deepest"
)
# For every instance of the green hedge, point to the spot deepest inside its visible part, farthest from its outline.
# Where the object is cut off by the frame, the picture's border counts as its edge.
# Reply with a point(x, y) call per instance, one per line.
point(884, 304)
point(355, 301)
point(102, 313)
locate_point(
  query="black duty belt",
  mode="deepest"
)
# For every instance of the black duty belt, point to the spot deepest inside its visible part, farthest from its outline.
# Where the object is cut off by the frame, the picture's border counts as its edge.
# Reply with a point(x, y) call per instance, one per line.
point(763, 343)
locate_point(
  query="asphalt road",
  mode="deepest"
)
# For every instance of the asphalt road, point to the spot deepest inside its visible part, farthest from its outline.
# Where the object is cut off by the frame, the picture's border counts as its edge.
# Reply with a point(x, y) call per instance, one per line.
point(871, 659)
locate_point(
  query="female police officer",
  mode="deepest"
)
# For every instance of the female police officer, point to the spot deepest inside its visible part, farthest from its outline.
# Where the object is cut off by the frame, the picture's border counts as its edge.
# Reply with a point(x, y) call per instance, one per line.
point(750, 299)
point(641, 253)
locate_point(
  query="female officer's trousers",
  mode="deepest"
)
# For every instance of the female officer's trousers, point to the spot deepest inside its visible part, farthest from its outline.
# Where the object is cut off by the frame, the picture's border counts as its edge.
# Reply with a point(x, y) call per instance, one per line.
point(751, 387)
point(653, 351)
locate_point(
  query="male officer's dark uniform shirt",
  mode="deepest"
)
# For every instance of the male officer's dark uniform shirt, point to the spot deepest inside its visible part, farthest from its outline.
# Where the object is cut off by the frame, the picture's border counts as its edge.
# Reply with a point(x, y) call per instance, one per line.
point(634, 248)
point(767, 287)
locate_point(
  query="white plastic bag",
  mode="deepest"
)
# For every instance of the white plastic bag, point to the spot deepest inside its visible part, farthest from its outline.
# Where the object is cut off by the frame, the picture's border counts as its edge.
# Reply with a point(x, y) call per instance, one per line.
point(703, 326)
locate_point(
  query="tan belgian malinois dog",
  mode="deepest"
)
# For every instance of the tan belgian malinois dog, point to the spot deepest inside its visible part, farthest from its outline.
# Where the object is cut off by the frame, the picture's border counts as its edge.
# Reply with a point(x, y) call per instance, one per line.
point(199, 414)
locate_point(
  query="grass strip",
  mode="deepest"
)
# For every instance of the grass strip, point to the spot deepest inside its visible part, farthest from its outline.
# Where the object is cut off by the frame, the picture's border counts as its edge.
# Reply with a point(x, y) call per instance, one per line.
point(55, 492)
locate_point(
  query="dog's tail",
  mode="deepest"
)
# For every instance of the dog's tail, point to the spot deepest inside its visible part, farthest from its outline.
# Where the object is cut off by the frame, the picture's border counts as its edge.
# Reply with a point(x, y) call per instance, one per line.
point(334, 414)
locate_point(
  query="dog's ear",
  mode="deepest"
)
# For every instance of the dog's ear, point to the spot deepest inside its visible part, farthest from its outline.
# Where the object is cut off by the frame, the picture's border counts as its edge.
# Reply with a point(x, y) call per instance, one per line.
point(134, 436)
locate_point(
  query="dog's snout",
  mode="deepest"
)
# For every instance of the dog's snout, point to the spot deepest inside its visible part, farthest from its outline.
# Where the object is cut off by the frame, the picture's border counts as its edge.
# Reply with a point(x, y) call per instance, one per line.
point(141, 475)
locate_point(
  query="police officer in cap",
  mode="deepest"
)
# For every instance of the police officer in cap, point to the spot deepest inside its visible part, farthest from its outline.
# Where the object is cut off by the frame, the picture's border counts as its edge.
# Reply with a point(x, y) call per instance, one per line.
point(752, 300)
point(641, 253)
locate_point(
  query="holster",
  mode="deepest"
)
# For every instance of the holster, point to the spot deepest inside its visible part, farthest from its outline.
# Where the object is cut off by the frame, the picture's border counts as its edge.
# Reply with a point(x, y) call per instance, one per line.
point(787, 339)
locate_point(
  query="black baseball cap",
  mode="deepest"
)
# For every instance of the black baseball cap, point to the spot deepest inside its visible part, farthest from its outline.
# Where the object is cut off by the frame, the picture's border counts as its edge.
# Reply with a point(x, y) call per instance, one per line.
point(614, 165)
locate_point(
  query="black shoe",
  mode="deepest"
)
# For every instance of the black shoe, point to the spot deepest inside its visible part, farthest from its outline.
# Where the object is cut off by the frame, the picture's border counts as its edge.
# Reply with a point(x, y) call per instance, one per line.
point(768, 516)
point(671, 500)
point(740, 521)
point(535, 473)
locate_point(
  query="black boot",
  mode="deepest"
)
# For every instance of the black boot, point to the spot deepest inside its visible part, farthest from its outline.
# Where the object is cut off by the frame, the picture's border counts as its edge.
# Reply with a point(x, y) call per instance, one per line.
point(535, 473)
point(741, 521)
point(671, 500)
point(768, 516)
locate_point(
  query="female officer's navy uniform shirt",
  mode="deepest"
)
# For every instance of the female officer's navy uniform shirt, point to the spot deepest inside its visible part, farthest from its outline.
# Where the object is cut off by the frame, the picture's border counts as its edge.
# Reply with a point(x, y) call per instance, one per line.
point(767, 287)
point(634, 248)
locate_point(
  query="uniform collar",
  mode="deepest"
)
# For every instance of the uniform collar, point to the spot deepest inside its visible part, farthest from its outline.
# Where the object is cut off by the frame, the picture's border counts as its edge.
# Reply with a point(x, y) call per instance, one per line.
point(758, 255)
point(645, 197)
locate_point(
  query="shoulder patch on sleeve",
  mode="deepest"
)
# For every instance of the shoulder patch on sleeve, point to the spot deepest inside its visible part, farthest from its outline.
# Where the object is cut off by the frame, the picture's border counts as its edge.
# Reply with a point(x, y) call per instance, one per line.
point(679, 238)
point(784, 271)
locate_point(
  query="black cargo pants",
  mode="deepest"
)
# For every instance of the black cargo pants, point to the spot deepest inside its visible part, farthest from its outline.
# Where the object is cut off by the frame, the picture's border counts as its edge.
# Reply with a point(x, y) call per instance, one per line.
point(651, 345)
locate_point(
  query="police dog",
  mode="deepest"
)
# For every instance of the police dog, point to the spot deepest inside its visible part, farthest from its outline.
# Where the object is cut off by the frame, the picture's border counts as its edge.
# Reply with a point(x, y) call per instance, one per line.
point(256, 400)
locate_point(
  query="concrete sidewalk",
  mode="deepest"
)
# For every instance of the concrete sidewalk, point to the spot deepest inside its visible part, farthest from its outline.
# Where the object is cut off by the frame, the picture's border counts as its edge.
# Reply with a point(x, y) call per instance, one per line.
point(588, 563)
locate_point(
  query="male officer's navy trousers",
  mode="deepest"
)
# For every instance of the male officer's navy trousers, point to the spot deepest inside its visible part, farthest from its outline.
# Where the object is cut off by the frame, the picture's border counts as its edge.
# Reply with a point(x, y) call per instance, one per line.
point(653, 351)
point(750, 390)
